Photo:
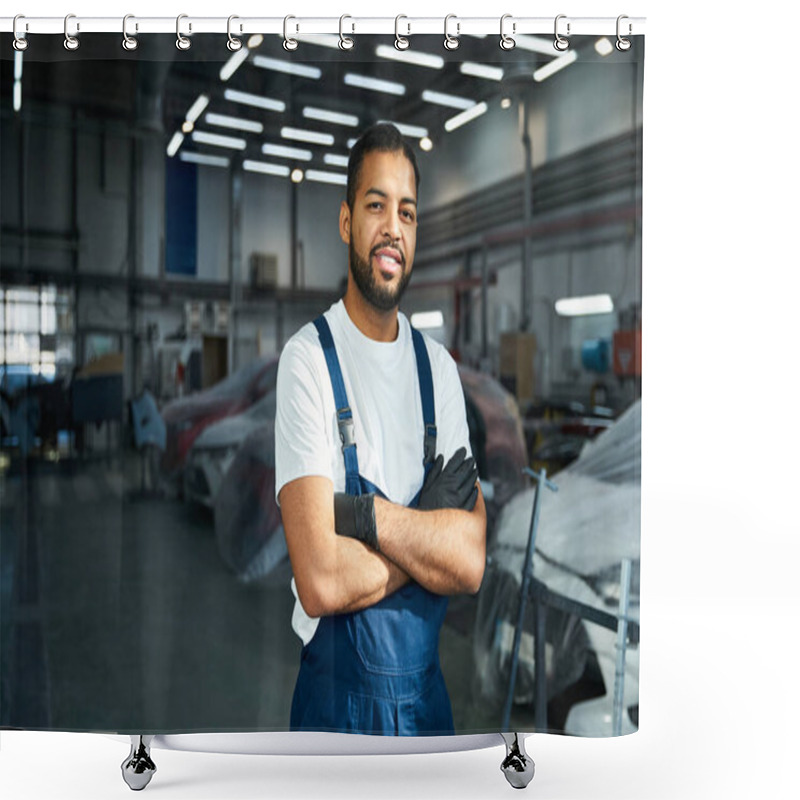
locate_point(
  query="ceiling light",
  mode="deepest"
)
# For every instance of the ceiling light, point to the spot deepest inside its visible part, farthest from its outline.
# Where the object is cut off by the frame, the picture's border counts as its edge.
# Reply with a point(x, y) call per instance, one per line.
point(187, 127)
point(174, 143)
point(350, 143)
point(281, 151)
point(482, 71)
point(465, 116)
point(409, 57)
point(297, 175)
point(326, 177)
point(17, 95)
point(198, 107)
point(373, 84)
point(583, 306)
point(426, 143)
point(287, 67)
point(333, 117)
point(332, 160)
point(555, 65)
point(505, 102)
point(224, 121)
point(535, 44)
point(254, 100)
point(312, 137)
point(233, 63)
point(449, 100)
point(256, 40)
point(427, 320)
point(18, 65)
point(320, 39)
point(603, 46)
point(265, 168)
point(413, 131)
point(216, 140)
point(201, 158)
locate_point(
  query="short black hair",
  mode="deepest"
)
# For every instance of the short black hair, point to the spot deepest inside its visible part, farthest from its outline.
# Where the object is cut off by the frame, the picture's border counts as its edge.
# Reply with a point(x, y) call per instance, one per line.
point(385, 138)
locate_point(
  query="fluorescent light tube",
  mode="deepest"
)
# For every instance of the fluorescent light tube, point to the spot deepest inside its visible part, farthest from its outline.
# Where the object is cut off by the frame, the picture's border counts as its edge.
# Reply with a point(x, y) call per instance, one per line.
point(281, 151)
point(224, 121)
point(427, 319)
point(233, 63)
point(350, 143)
point(174, 143)
point(17, 95)
point(583, 306)
point(449, 100)
point(326, 177)
point(18, 65)
point(374, 85)
point(255, 100)
point(555, 65)
point(413, 131)
point(216, 140)
point(321, 39)
point(482, 71)
point(333, 117)
point(409, 56)
point(312, 137)
point(332, 160)
point(265, 168)
point(535, 44)
point(287, 67)
point(198, 107)
point(201, 158)
point(465, 116)
point(603, 46)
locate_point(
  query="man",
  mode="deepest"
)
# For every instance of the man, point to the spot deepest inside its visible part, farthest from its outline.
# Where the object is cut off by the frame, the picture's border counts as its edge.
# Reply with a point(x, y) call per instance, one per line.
point(380, 505)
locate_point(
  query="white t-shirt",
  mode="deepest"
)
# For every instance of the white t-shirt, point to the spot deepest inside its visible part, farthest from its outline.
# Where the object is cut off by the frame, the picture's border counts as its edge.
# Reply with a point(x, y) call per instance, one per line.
point(383, 392)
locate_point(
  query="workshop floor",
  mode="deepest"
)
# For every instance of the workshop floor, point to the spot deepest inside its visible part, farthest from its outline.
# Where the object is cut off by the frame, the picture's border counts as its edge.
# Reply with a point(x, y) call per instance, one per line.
point(117, 614)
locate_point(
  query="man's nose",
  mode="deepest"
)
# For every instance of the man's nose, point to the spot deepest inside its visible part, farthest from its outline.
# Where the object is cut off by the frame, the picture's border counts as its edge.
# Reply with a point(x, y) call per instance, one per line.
point(391, 225)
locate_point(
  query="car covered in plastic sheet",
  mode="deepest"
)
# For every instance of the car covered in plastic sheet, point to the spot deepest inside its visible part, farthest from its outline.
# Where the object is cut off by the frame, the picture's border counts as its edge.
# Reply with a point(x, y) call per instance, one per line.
point(235, 463)
point(585, 530)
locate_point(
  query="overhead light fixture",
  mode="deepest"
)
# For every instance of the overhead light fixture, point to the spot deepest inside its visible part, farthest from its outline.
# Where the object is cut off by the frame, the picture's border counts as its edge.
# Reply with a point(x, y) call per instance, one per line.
point(312, 137)
point(17, 95)
point(465, 116)
point(174, 143)
point(425, 320)
point(202, 158)
point(281, 151)
point(426, 144)
point(374, 84)
point(505, 102)
point(254, 100)
point(215, 140)
point(482, 71)
point(297, 176)
point(534, 44)
point(187, 127)
point(197, 108)
point(412, 131)
point(409, 57)
point(266, 168)
point(287, 67)
point(326, 177)
point(18, 65)
point(236, 123)
point(555, 65)
point(332, 160)
point(584, 306)
point(233, 63)
point(603, 46)
point(449, 100)
point(334, 117)
point(350, 143)
point(320, 39)
point(256, 40)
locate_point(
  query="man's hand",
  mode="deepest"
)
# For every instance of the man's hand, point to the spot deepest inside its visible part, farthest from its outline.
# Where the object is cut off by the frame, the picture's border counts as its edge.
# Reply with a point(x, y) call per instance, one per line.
point(453, 486)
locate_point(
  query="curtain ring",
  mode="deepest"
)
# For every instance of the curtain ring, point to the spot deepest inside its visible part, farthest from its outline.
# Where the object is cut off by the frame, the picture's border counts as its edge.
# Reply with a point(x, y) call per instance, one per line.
point(288, 42)
point(345, 42)
point(182, 43)
point(233, 43)
point(128, 42)
point(623, 44)
point(400, 42)
point(71, 42)
point(561, 44)
point(20, 42)
point(451, 42)
point(506, 41)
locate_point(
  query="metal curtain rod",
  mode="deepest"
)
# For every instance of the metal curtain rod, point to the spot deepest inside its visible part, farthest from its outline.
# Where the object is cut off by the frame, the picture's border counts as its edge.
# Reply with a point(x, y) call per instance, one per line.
point(310, 26)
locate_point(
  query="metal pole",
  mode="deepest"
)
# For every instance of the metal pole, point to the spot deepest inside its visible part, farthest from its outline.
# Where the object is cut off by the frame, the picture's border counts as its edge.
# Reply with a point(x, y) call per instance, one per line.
point(622, 643)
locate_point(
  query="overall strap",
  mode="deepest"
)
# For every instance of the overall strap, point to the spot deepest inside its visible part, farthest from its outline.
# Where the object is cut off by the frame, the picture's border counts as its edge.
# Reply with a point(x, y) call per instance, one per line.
point(344, 415)
point(426, 394)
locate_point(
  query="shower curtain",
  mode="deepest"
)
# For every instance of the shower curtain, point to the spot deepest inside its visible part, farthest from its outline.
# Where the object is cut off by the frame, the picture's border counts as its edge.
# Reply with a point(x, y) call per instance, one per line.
point(170, 219)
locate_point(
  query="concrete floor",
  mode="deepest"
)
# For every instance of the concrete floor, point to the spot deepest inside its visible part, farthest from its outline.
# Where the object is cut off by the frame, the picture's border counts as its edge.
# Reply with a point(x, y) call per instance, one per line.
point(118, 614)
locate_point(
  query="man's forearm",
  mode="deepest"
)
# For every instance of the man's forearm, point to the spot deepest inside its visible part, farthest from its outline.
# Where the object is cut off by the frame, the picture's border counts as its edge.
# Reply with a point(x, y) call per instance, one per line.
point(443, 550)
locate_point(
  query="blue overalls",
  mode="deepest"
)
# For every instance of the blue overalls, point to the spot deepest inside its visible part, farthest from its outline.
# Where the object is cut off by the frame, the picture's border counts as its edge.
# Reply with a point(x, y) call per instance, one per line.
point(376, 670)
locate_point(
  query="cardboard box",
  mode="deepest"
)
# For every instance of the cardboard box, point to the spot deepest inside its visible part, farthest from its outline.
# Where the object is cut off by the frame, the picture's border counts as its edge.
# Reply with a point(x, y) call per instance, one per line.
point(517, 352)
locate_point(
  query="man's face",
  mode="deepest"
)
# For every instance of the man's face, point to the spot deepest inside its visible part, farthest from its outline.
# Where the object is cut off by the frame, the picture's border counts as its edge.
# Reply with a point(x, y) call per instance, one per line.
point(381, 228)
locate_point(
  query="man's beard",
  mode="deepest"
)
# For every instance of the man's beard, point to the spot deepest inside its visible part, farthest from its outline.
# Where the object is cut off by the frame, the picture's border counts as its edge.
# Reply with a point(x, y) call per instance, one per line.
point(384, 298)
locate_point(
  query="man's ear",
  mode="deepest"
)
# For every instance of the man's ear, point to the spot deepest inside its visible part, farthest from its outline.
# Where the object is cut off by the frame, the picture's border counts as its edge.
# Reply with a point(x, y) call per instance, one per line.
point(344, 222)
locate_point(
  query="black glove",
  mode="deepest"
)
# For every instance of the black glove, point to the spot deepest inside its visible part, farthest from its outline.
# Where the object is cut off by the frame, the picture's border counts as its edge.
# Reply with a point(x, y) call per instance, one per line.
point(354, 516)
point(451, 487)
